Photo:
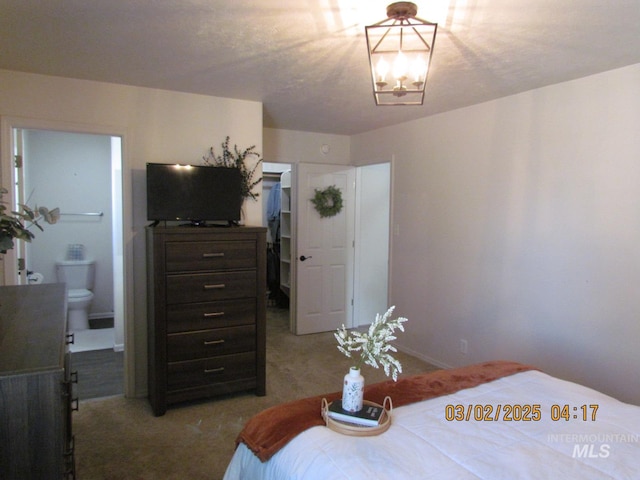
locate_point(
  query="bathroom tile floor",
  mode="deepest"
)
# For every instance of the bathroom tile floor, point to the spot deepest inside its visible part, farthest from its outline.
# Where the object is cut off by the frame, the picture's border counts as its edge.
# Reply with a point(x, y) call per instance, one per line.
point(92, 339)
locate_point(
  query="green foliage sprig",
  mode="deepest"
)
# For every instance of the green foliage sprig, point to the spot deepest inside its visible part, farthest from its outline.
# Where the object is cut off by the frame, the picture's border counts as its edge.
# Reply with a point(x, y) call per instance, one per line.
point(237, 159)
point(12, 224)
point(373, 345)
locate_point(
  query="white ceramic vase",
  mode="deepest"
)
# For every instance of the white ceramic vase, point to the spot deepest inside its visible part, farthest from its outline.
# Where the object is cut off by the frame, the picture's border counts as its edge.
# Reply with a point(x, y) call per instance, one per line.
point(353, 391)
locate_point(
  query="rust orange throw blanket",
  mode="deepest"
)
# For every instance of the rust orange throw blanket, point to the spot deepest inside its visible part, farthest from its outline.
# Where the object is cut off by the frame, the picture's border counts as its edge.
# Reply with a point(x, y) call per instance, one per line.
point(271, 429)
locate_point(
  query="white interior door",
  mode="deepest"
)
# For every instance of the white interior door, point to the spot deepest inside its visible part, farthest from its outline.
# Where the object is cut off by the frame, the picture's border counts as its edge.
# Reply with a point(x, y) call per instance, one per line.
point(324, 251)
point(371, 276)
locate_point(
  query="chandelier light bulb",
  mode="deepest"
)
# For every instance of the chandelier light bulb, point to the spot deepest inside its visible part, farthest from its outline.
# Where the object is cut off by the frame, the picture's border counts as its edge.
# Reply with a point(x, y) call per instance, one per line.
point(381, 72)
point(400, 66)
point(419, 71)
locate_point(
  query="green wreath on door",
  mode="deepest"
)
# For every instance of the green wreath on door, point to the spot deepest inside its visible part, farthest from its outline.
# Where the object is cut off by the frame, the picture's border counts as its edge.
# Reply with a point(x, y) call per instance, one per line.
point(328, 202)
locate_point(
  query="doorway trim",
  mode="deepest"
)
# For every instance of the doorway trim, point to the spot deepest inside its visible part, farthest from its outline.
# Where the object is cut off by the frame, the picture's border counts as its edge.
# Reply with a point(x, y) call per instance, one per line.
point(7, 124)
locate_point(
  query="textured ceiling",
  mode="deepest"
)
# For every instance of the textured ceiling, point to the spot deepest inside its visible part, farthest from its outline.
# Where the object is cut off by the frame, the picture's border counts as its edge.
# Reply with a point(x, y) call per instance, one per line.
point(306, 60)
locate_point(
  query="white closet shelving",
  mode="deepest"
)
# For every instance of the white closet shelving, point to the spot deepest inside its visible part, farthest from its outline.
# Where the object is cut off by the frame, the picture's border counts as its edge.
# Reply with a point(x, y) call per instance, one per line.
point(285, 232)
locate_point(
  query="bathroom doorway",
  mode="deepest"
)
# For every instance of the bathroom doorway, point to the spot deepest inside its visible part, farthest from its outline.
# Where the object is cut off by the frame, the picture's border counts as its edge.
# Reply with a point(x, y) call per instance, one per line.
point(81, 174)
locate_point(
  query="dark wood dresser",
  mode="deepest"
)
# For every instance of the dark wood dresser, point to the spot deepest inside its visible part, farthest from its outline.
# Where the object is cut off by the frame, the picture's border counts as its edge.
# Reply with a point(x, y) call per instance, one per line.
point(206, 312)
point(36, 440)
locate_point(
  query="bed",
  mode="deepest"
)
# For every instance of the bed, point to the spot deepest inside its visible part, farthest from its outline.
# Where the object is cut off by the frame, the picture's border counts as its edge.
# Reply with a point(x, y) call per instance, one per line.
point(496, 420)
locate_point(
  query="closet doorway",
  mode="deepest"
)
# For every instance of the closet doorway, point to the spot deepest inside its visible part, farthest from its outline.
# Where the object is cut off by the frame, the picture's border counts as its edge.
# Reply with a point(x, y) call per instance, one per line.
point(370, 275)
point(278, 291)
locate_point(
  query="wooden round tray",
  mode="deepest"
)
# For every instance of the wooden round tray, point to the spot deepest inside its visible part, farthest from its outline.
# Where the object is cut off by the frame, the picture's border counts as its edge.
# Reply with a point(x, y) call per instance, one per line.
point(347, 428)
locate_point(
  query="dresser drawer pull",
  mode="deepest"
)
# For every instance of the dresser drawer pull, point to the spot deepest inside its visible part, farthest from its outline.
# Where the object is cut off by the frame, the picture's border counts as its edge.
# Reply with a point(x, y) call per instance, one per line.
point(213, 255)
point(214, 370)
point(215, 286)
point(213, 342)
point(213, 314)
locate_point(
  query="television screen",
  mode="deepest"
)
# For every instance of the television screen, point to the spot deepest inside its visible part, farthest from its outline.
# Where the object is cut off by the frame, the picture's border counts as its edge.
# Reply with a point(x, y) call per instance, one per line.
point(193, 193)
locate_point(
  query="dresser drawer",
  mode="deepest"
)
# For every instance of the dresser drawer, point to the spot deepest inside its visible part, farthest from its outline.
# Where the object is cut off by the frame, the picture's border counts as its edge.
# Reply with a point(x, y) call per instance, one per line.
point(185, 317)
point(196, 373)
point(209, 287)
point(210, 343)
point(212, 255)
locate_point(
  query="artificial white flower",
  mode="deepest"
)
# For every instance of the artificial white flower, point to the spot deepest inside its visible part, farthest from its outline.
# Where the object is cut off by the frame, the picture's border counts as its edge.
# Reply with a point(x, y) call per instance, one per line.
point(373, 345)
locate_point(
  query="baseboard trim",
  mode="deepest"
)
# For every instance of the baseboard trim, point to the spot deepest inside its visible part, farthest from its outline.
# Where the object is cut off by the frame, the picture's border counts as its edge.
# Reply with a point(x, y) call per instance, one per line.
point(423, 357)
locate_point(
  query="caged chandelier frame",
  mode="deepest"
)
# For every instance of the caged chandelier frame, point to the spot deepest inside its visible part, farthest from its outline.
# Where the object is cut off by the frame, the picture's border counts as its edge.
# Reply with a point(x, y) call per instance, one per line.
point(400, 50)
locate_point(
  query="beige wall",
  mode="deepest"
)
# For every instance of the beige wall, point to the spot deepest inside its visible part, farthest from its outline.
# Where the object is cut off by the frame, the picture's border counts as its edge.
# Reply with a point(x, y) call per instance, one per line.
point(517, 228)
point(289, 146)
point(158, 126)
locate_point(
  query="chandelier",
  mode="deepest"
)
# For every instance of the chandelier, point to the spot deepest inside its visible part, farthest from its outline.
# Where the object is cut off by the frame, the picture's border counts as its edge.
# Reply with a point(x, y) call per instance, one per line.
point(400, 49)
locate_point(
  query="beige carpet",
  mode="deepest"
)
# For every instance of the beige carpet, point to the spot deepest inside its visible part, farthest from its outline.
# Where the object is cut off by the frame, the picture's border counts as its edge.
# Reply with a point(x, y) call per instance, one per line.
point(118, 438)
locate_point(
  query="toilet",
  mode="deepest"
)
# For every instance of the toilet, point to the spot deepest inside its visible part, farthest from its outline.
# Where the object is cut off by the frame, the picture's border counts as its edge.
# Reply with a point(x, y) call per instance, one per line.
point(79, 276)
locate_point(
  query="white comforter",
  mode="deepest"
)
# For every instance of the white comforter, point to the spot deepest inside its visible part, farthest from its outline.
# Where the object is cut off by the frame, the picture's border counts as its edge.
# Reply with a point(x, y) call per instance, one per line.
point(422, 444)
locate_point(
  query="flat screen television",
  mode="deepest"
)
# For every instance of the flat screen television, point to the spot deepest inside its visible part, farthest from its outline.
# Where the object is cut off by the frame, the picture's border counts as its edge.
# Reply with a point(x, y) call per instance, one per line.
point(197, 194)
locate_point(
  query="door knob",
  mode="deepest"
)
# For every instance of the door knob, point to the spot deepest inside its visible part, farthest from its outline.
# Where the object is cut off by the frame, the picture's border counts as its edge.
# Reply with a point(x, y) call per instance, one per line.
point(303, 258)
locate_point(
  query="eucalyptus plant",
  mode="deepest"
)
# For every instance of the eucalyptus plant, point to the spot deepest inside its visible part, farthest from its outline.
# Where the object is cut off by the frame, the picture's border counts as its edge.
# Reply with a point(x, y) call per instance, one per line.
point(237, 159)
point(16, 224)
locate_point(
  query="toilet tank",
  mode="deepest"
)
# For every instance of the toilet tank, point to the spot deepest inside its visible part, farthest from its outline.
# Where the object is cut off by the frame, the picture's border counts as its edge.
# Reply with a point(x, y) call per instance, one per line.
point(77, 274)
